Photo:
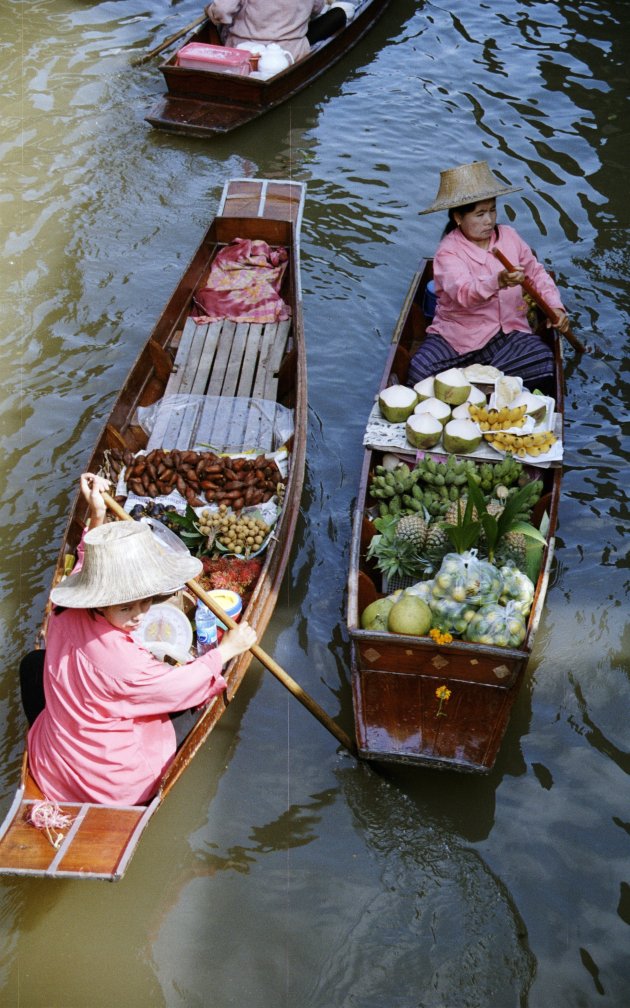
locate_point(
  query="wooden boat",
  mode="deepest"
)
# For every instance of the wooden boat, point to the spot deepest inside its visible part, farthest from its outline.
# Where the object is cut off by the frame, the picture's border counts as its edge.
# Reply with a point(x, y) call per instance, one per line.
point(236, 362)
point(394, 676)
point(206, 104)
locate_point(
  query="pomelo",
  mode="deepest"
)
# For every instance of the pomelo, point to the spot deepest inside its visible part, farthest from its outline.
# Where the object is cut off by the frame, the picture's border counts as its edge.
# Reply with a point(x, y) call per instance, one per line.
point(410, 615)
point(374, 616)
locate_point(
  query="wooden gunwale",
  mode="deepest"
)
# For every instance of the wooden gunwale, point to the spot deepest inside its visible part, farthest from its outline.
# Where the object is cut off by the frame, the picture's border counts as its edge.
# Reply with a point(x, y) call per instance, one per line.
point(105, 837)
point(394, 676)
point(205, 104)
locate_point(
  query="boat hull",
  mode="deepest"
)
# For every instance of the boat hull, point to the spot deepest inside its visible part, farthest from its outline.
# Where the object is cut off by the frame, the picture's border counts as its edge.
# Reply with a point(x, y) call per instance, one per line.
point(398, 717)
point(102, 838)
point(207, 104)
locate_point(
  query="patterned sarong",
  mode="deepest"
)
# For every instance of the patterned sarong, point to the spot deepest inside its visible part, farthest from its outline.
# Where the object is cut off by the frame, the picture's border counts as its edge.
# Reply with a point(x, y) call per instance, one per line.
point(243, 284)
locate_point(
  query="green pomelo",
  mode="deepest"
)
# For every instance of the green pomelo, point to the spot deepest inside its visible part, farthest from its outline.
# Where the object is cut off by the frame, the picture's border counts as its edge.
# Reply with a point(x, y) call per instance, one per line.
point(411, 616)
point(375, 616)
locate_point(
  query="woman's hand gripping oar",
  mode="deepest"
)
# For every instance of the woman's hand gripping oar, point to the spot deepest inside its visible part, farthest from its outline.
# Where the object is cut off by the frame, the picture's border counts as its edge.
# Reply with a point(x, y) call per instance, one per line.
point(269, 663)
point(550, 312)
point(167, 42)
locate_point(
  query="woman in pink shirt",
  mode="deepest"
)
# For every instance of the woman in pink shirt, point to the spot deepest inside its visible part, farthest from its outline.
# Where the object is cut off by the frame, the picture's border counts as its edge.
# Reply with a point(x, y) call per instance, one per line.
point(282, 21)
point(105, 734)
point(481, 314)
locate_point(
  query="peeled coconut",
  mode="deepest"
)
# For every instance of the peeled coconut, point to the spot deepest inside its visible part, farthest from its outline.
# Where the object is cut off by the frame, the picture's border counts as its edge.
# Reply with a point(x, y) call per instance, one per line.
point(397, 403)
point(476, 396)
point(424, 388)
point(440, 410)
point(536, 406)
point(423, 430)
point(452, 386)
point(461, 437)
point(375, 616)
point(461, 412)
point(411, 615)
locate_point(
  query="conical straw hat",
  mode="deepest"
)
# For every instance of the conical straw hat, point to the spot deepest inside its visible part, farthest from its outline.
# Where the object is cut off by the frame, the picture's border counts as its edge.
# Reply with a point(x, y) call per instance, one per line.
point(469, 183)
point(124, 562)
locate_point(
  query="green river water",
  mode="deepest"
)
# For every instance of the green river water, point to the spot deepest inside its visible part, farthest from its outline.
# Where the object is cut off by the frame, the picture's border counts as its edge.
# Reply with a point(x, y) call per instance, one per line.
point(279, 872)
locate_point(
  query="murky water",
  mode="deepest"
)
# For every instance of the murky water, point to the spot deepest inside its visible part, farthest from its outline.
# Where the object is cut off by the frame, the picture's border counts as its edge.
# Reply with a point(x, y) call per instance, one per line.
point(279, 872)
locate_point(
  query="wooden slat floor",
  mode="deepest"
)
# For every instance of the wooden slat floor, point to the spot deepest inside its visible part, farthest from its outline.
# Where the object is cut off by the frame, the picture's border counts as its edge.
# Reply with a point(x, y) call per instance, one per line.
point(235, 366)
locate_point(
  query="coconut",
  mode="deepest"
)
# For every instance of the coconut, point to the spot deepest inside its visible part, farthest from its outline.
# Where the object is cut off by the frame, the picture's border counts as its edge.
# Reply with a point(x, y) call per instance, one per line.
point(461, 412)
point(424, 388)
point(411, 615)
point(423, 430)
point(461, 437)
point(438, 409)
point(452, 386)
point(397, 403)
point(476, 396)
point(535, 405)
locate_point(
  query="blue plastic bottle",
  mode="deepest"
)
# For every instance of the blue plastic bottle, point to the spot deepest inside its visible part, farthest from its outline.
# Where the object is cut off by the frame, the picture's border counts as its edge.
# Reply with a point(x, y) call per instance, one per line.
point(206, 628)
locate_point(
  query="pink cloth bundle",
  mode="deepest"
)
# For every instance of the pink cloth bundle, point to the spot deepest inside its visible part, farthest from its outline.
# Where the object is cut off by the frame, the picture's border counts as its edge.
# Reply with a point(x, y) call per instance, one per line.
point(243, 284)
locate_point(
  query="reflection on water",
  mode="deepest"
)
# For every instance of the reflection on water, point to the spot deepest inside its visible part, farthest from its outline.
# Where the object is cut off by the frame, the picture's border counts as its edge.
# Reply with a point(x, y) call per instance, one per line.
point(277, 872)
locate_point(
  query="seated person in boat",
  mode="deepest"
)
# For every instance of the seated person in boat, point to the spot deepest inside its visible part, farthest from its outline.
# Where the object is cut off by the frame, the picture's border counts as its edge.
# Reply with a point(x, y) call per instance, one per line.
point(104, 734)
point(481, 314)
point(285, 22)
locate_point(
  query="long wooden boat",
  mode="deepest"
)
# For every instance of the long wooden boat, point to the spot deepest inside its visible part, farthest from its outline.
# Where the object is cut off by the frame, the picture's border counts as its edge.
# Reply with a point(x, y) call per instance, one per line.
point(395, 676)
point(206, 104)
point(229, 363)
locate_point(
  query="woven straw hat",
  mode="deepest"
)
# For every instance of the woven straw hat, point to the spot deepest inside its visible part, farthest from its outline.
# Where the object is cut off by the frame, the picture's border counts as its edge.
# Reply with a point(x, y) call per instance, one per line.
point(469, 183)
point(124, 562)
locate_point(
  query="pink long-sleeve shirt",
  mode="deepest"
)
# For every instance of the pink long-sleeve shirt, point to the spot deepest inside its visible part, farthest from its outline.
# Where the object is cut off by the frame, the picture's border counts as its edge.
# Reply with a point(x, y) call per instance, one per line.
point(105, 735)
point(281, 21)
point(471, 307)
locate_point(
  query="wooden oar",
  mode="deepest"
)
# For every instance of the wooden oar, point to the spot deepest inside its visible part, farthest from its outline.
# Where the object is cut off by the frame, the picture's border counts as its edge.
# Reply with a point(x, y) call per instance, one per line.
point(550, 312)
point(167, 42)
point(269, 663)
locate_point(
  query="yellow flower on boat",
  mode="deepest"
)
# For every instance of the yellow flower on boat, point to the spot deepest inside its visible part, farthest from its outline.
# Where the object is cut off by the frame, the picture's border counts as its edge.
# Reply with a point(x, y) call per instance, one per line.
point(440, 636)
point(443, 694)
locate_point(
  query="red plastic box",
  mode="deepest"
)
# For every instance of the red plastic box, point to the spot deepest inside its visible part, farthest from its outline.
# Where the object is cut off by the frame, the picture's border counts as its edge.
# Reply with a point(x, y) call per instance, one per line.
point(199, 56)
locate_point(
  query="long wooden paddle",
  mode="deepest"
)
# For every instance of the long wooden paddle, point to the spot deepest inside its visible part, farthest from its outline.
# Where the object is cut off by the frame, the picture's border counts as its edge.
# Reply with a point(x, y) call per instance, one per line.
point(269, 663)
point(540, 301)
point(167, 42)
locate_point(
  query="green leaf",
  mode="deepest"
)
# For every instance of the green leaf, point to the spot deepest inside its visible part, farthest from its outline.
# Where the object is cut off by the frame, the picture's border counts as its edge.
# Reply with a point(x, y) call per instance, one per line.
point(463, 537)
point(178, 518)
point(530, 531)
point(491, 530)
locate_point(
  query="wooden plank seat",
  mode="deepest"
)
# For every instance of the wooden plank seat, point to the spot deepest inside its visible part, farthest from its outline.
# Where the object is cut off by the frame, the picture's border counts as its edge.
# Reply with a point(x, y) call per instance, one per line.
point(97, 844)
point(235, 365)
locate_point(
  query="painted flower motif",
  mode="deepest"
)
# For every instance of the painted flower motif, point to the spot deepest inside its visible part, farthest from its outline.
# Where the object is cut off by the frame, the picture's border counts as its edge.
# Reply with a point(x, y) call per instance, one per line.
point(443, 694)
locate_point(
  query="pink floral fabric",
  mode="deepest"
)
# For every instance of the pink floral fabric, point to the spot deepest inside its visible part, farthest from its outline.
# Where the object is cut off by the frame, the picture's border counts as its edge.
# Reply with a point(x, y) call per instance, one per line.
point(244, 284)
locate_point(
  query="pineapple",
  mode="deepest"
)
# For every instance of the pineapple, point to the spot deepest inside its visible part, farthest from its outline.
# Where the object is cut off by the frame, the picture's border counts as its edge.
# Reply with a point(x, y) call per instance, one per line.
point(459, 506)
point(413, 528)
point(512, 548)
point(429, 539)
point(394, 556)
point(437, 545)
